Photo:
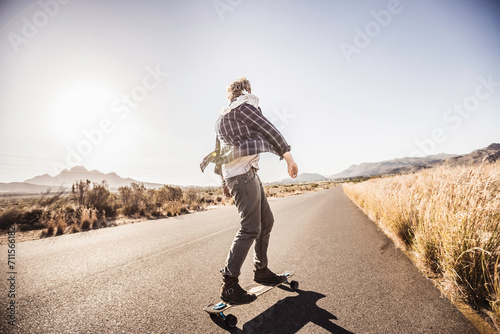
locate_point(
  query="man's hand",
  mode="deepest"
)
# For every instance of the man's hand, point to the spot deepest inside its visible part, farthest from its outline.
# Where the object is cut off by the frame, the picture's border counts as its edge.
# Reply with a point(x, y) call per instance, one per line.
point(225, 189)
point(293, 169)
point(227, 193)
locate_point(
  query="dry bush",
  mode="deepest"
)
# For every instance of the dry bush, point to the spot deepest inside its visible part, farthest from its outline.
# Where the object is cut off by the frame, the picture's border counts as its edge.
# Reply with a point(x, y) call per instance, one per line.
point(10, 216)
point(194, 196)
point(168, 193)
point(31, 213)
point(55, 222)
point(449, 218)
point(86, 218)
point(172, 208)
point(95, 195)
point(133, 199)
point(136, 200)
point(47, 200)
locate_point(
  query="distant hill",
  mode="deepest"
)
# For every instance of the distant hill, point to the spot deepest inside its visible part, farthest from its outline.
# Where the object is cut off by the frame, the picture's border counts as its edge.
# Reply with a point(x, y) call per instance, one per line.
point(67, 178)
point(487, 154)
point(303, 178)
point(410, 165)
point(391, 166)
point(20, 187)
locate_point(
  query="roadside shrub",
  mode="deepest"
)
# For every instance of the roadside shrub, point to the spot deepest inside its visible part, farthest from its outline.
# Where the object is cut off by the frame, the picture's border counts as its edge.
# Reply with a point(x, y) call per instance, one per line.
point(194, 196)
point(86, 218)
point(32, 220)
point(134, 198)
point(10, 217)
point(46, 200)
point(168, 193)
point(32, 216)
point(130, 210)
point(95, 195)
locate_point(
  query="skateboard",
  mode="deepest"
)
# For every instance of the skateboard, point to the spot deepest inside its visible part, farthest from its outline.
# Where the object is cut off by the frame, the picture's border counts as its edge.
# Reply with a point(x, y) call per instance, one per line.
point(218, 308)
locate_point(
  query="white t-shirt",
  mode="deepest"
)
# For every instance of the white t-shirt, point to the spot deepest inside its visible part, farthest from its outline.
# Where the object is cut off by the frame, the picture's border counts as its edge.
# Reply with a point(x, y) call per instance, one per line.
point(240, 166)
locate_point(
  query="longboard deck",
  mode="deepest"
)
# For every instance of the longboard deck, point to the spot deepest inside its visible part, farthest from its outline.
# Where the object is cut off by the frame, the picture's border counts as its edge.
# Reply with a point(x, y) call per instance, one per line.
point(256, 288)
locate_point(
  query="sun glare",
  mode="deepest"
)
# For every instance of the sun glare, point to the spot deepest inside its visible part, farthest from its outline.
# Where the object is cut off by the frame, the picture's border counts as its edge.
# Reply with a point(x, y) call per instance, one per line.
point(80, 108)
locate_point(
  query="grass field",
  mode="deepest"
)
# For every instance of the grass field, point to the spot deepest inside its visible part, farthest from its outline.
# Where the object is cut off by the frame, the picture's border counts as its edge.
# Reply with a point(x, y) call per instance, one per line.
point(448, 219)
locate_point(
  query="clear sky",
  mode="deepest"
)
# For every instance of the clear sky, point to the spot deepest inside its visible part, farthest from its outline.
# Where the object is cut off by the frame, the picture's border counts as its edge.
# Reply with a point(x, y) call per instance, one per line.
point(135, 87)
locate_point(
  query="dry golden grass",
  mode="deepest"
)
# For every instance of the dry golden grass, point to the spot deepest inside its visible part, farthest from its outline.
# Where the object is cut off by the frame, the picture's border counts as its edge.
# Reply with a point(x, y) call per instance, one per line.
point(449, 220)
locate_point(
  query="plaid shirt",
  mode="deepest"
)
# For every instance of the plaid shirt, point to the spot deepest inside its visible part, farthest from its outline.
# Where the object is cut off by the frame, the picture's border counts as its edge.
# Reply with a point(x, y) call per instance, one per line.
point(244, 131)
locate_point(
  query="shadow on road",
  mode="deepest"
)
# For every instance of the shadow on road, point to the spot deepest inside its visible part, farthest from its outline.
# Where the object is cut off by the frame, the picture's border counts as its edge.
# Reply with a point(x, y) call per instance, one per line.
point(289, 316)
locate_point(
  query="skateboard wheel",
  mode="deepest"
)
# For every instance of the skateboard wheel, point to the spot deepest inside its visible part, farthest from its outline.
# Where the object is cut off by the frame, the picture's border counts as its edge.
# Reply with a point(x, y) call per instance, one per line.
point(294, 285)
point(231, 321)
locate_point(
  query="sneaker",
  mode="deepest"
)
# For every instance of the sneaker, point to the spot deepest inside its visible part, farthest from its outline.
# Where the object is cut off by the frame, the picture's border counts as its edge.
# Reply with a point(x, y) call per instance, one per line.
point(265, 275)
point(232, 292)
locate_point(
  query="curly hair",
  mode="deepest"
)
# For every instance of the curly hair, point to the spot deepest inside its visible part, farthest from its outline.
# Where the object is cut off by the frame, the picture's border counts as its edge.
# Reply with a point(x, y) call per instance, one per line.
point(237, 87)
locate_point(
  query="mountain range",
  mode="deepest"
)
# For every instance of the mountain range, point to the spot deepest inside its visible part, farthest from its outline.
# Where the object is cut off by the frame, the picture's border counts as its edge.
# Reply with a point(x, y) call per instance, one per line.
point(67, 177)
point(393, 166)
point(487, 154)
point(411, 165)
point(303, 178)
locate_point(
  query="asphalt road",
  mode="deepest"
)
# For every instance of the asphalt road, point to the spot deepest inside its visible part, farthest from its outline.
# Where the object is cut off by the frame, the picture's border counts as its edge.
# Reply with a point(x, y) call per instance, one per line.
point(156, 276)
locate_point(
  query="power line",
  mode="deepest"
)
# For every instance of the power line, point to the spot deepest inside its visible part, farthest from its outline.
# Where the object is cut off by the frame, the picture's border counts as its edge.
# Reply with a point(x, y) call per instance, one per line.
point(26, 157)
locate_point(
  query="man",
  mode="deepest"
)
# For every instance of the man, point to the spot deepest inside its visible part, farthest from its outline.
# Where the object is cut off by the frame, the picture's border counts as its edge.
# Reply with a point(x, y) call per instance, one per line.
point(242, 133)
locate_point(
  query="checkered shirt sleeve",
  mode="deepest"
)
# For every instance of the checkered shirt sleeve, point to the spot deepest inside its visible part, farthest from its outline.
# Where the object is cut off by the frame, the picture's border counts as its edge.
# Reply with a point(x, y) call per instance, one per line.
point(241, 132)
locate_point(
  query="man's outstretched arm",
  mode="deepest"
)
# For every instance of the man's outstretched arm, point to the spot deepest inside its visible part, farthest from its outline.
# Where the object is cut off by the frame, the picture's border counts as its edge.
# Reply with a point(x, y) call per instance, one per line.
point(293, 169)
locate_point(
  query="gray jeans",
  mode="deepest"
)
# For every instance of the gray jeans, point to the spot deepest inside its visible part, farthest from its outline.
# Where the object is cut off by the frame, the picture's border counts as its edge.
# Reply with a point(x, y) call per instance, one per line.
point(256, 222)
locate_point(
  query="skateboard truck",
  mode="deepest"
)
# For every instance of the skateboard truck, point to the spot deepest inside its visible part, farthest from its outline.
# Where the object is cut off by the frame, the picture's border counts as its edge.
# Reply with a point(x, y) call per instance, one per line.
point(230, 320)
